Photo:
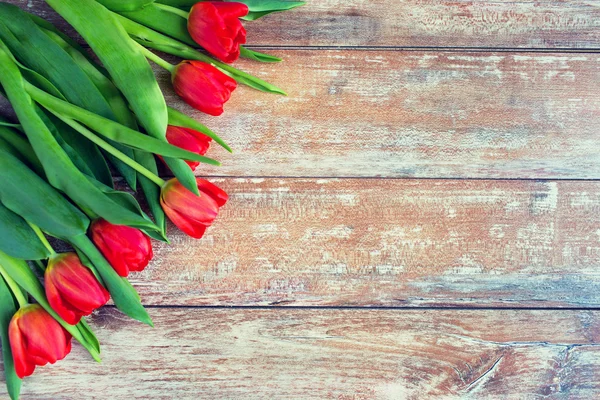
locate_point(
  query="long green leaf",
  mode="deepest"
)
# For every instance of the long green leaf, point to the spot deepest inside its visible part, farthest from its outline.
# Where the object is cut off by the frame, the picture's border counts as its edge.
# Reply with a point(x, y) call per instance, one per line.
point(24, 276)
point(87, 332)
point(60, 171)
point(74, 156)
point(7, 310)
point(128, 68)
point(17, 239)
point(257, 56)
point(121, 57)
point(88, 151)
point(34, 48)
point(155, 40)
point(162, 21)
point(69, 71)
point(115, 131)
point(29, 196)
point(113, 98)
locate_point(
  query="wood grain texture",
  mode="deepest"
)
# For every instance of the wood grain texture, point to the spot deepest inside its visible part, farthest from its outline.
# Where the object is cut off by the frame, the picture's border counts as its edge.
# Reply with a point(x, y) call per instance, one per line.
point(414, 114)
point(333, 354)
point(377, 242)
point(573, 24)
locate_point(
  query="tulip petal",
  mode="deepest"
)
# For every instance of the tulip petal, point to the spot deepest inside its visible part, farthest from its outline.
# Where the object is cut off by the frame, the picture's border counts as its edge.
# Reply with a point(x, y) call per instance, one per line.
point(216, 27)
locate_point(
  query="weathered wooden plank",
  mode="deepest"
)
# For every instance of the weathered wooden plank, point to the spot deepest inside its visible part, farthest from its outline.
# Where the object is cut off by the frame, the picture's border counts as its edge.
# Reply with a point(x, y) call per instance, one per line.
point(422, 23)
point(334, 354)
point(377, 242)
point(415, 114)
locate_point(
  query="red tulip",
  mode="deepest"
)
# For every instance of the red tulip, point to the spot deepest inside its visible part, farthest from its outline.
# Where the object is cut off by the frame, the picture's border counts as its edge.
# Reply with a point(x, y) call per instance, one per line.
point(36, 339)
point(190, 140)
point(216, 27)
point(126, 248)
point(203, 86)
point(192, 214)
point(72, 289)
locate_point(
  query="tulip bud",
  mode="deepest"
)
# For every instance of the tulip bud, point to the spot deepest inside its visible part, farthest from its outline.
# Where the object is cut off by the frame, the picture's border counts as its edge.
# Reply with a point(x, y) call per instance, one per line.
point(203, 86)
point(126, 249)
point(190, 140)
point(36, 339)
point(72, 289)
point(192, 214)
point(216, 27)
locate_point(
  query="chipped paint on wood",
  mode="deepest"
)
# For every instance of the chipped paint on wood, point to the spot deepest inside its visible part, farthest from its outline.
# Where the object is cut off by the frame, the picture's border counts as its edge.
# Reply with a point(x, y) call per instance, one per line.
point(333, 354)
point(381, 242)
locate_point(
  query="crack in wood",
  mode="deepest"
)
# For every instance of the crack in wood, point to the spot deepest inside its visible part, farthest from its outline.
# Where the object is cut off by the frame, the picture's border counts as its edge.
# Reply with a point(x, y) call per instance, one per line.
point(486, 373)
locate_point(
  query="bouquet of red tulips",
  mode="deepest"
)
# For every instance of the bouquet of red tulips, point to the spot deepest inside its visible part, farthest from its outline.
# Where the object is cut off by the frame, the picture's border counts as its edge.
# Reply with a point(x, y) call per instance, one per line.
point(80, 121)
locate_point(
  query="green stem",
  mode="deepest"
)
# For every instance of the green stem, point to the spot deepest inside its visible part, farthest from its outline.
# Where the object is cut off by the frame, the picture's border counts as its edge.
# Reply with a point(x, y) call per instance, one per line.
point(173, 10)
point(42, 238)
point(110, 149)
point(14, 287)
point(159, 61)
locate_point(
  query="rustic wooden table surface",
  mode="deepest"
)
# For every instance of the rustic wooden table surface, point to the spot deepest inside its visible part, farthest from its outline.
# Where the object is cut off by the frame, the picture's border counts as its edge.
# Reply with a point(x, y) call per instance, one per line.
point(419, 219)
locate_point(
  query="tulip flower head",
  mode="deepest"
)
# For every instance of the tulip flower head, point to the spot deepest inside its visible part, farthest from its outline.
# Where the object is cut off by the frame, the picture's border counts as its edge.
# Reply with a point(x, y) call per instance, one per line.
point(36, 339)
point(192, 214)
point(190, 140)
point(203, 86)
point(216, 26)
point(126, 249)
point(72, 289)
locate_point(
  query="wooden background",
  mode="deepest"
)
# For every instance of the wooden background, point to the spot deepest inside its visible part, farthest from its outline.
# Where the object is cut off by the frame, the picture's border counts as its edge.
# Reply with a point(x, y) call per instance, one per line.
point(419, 219)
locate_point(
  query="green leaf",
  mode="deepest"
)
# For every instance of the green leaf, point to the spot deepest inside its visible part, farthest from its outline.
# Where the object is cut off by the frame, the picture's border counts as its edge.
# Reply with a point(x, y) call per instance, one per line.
point(123, 294)
point(178, 118)
point(35, 49)
point(128, 68)
point(24, 276)
point(155, 40)
point(21, 192)
point(152, 192)
point(60, 171)
point(87, 150)
point(64, 68)
point(163, 21)
point(88, 263)
point(44, 54)
point(125, 5)
point(88, 334)
point(77, 159)
point(114, 99)
point(7, 310)
point(115, 131)
point(17, 239)
point(255, 55)
point(22, 147)
point(129, 202)
point(254, 15)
